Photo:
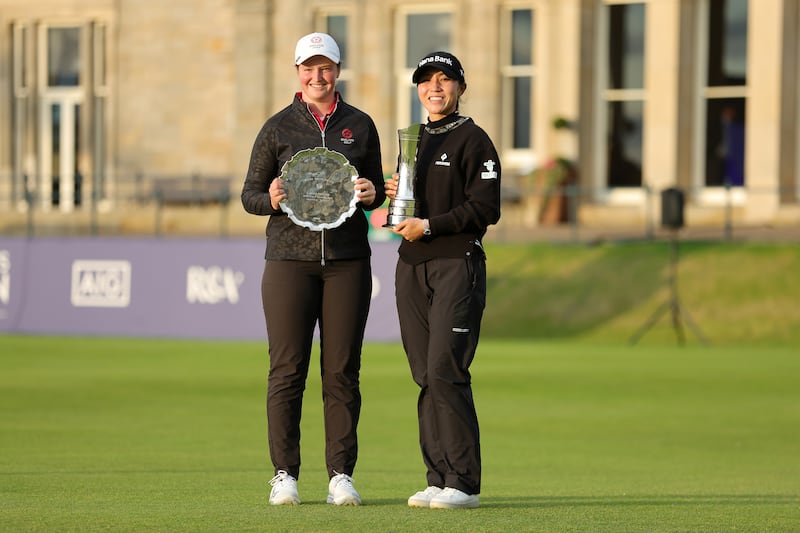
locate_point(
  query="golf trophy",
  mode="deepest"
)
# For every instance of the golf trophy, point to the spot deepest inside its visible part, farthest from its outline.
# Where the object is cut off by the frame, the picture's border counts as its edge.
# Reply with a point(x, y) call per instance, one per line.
point(319, 188)
point(404, 205)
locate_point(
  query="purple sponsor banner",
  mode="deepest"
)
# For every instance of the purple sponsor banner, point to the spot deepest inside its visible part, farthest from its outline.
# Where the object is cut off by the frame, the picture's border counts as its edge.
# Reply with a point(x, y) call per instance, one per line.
point(187, 288)
point(11, 281)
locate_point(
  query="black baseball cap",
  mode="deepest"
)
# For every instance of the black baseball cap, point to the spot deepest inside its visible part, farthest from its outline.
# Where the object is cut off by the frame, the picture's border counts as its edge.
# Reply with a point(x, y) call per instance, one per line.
point(446, 62)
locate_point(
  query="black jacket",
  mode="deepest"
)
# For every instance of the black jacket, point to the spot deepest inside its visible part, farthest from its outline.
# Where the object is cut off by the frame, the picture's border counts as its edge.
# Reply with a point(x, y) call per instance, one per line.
point(348, 131)
point(457, 188)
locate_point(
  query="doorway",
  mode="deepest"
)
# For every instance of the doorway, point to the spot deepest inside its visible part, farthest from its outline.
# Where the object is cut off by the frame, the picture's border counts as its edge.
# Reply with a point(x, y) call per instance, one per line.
point(60, 130)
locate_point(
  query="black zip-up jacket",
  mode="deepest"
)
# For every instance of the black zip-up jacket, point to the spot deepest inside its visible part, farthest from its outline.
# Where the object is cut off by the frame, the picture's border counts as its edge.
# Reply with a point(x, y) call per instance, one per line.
point(348, 131)
point(457, 189)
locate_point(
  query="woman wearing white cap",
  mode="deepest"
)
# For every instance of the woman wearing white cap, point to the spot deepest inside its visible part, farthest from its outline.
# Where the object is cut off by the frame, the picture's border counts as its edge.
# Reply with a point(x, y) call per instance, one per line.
point(315, 277)
point(440, 281)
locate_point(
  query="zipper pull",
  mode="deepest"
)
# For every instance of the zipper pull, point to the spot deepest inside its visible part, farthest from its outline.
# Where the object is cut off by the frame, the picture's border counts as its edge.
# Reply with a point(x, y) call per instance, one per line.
point(322, 246)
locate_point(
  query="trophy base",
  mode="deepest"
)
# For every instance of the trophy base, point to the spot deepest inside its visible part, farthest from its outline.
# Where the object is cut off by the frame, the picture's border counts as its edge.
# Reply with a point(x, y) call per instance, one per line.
point(392, 222)
point(400, 210)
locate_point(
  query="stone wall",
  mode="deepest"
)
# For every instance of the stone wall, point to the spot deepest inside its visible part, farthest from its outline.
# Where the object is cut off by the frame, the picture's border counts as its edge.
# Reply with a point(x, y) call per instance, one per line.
point(176, 86)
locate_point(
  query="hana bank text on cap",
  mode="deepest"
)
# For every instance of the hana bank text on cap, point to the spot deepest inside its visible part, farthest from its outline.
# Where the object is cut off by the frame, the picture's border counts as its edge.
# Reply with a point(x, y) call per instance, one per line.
point(446, 62)
point(316, 44)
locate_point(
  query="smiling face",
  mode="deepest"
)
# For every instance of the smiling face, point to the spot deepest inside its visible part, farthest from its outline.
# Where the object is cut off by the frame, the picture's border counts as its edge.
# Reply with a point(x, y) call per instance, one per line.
point(439, 93)
point(318, 81)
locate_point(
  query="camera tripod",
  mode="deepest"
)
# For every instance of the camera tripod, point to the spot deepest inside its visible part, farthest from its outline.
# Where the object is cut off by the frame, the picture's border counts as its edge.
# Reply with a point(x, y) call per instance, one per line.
point(673, 304)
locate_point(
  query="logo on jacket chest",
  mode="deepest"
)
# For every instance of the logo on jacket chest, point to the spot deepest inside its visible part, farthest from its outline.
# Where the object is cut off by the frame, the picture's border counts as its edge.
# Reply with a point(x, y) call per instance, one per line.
point(442, 161)
point(347, 136)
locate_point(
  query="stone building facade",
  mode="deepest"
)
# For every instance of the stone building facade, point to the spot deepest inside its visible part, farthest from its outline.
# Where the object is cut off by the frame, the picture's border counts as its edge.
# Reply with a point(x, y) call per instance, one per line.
point(621, 99)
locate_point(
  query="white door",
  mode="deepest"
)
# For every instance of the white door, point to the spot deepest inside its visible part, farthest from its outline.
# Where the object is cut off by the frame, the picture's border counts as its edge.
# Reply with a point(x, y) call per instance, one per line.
point(61, 182)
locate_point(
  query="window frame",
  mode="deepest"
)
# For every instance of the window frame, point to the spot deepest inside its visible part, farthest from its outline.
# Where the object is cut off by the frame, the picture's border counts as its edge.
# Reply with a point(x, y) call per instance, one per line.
point(711, 195)
point(402, 72)
point(99, 49)
point(22, 59)
point(347, 71)
point(601, 190)
point(525, 158)
point(796, 191)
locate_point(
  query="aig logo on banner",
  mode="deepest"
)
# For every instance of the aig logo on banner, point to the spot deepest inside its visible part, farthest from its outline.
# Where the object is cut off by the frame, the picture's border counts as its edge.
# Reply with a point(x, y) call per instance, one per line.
point(5, 277)
point(101, 283)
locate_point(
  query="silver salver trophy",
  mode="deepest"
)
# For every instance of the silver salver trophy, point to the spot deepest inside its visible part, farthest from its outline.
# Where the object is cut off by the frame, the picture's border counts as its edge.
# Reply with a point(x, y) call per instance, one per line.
point(319, 188)
point(404, 205)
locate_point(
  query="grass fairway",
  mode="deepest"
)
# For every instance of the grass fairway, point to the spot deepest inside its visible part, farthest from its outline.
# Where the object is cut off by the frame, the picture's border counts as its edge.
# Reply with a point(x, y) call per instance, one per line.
point(152, 435)
point(735, 292)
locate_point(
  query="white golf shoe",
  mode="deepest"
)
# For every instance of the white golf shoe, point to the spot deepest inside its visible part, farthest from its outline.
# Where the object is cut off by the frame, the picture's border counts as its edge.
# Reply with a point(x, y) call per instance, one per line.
point(342, 492)
point(423, 497)
point(451, 498)
point(284, 490)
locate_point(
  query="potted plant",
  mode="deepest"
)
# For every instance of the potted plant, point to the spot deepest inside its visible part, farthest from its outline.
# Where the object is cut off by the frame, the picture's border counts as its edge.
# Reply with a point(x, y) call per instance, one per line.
point(551, 182)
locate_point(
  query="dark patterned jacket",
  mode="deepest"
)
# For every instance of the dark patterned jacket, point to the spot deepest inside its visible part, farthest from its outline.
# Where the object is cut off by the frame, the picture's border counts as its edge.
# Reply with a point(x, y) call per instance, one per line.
point(348, 131)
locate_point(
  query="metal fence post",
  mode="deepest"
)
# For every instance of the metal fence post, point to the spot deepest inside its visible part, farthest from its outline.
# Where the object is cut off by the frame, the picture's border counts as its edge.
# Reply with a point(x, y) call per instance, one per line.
point(30, 200)
point(572, 191)
point(728, 211)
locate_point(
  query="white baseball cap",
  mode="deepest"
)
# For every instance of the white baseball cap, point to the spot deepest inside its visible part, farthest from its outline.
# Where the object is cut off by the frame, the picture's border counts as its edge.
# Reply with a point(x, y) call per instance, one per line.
point(316, 44)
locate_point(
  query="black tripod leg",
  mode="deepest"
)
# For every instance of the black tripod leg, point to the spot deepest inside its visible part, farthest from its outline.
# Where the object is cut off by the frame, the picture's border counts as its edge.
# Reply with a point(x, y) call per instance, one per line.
point(685, 314)
point(676, 321)
point(673, 304)
point(649, 324)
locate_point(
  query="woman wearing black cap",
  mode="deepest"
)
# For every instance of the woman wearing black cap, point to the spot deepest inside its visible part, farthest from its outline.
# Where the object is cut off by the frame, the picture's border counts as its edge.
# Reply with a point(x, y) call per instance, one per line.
point(440, 281)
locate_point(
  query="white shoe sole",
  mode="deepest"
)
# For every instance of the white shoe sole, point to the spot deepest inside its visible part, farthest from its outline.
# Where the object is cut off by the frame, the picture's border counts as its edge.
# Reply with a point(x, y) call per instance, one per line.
point(285, 501)
point(347, 500)
point(419, 503)
point(472, 504)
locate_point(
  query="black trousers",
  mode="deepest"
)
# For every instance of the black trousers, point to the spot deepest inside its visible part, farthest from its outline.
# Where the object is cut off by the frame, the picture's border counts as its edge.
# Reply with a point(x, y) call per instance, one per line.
point(440, 305)
point(296, 296)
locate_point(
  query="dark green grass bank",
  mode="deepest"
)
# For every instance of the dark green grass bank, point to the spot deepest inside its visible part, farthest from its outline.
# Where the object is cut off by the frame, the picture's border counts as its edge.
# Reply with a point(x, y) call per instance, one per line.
point(733, 293)
point(124, 435)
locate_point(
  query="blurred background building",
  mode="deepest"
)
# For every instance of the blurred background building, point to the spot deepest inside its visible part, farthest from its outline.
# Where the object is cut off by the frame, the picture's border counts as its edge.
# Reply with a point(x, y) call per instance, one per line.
point(118, 113)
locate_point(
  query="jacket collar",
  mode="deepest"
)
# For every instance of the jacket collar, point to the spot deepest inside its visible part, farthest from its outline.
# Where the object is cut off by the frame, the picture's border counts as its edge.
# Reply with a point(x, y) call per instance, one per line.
point(448, 123)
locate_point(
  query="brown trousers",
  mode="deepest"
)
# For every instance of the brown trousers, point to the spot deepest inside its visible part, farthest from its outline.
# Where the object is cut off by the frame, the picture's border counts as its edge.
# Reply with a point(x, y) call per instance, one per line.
point(297, 296)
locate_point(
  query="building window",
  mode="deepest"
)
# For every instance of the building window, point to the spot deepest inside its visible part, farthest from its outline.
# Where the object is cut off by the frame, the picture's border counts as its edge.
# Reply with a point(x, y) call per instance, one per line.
point(624, 94)
point(101, 93)
point(795, 176)
point(337, 26)
point(21, 60)
point(422, 33)
point(63, 57)
point(64, 89)
point(61, 115)
point(425, 33)
point(725, 92)
point(518, 73)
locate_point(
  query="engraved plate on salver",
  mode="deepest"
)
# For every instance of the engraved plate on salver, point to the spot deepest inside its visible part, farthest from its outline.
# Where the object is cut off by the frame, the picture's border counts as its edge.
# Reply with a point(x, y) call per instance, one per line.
point(404, 205)
point(319, 188)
